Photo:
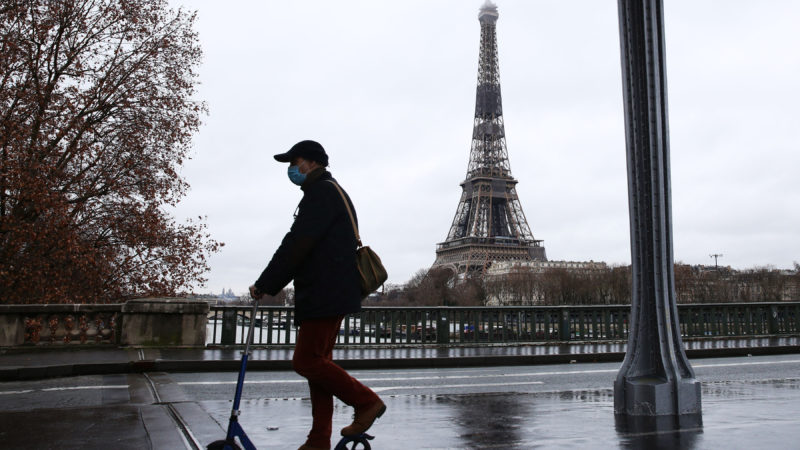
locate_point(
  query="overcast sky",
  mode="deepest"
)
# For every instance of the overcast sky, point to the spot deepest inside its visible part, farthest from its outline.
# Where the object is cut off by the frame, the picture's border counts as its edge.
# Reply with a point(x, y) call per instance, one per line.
point(388, 88)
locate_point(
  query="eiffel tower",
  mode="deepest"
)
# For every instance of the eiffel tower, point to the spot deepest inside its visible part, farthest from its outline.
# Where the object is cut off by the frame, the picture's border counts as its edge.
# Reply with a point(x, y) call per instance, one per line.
point(489, 224)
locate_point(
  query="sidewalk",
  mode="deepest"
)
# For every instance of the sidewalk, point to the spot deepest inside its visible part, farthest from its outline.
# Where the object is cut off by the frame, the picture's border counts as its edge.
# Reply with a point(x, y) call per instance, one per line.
point(153, 410)
point(736, 415)
point(29, 363)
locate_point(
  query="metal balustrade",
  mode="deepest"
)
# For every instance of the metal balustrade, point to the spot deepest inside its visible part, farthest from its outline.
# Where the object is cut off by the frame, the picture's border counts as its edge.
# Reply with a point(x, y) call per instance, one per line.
point(399, 326)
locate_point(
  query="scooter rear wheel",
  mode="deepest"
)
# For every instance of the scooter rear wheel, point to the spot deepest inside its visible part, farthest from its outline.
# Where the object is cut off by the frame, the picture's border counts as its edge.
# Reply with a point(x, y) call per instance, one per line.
point(359, 442)
point(223, 445)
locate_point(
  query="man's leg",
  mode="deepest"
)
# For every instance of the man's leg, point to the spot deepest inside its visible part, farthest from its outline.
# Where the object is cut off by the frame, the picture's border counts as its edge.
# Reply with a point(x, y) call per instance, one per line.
point(312, 346)
point(313, 360)
point(322, 417)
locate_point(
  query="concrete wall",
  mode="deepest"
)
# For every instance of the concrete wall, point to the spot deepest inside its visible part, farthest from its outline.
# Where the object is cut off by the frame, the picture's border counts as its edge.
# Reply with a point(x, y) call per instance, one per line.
point(12, 330)
point(164, 321)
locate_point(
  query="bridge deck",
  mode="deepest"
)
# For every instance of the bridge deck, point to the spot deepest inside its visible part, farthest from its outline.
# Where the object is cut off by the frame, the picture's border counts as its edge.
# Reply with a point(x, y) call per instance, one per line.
point(37, 363)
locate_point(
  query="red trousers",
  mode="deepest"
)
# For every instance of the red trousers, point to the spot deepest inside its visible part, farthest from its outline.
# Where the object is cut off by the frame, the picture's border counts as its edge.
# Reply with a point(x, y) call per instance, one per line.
point(313, 359)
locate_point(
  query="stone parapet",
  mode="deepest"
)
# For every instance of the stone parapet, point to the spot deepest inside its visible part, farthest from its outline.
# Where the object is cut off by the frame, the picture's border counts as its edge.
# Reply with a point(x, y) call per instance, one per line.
point(164, 321)
point(12, 329)
point(141, 322)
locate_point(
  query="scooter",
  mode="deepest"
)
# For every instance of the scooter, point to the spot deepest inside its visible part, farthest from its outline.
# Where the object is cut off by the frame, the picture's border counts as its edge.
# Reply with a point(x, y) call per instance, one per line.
point(234, 428)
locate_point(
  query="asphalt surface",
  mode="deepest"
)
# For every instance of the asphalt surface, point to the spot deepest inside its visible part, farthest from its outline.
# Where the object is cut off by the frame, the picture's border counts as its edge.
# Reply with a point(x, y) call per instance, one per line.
point(748, 402)
point(29, 363)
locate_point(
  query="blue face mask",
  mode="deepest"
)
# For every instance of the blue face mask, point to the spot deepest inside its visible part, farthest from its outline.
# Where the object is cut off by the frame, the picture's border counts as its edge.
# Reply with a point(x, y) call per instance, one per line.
point(295, 176)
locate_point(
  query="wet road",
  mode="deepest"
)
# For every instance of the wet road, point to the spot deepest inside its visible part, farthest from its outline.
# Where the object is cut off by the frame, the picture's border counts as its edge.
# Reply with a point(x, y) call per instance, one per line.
point(553, 378)
point(747, 403)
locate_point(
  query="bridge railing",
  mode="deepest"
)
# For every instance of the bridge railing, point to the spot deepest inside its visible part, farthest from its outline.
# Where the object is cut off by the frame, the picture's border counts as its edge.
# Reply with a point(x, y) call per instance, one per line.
point(145, 322)
point(397, 326)
point(58, 324)
point(185, 322)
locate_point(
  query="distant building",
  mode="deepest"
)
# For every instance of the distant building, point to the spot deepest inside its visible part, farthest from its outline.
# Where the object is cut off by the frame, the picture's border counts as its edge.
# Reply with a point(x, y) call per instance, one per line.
point(509, 290)
point(711, 284)
point(505, 267)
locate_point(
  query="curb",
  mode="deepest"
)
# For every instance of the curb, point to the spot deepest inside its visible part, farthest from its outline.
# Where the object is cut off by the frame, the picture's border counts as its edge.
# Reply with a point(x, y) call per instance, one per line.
point(68, 370)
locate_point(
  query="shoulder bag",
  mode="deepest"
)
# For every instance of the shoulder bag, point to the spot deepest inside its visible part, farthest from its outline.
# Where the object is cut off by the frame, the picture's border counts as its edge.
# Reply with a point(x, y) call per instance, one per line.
point(371, 272)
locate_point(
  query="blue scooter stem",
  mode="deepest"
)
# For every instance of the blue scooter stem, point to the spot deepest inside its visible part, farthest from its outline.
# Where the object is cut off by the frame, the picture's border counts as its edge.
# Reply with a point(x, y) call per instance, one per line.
point(240, 384)
point(245, 356)
point(234, 428)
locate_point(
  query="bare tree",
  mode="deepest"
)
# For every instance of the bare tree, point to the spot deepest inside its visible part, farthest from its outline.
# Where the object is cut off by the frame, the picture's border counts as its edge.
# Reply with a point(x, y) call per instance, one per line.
point(96, 116)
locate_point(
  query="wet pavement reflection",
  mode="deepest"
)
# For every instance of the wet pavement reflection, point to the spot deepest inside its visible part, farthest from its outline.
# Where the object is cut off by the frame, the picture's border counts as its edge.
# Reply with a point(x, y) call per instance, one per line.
point(501, 419)
point(737, 414)
point(659, 432)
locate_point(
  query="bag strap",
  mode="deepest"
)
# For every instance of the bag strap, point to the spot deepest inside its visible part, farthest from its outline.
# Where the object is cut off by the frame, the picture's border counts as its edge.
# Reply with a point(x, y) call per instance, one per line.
point(349, 212)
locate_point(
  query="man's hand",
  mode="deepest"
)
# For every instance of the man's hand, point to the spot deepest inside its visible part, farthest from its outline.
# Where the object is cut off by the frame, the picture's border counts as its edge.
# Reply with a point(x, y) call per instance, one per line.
point(255, 293)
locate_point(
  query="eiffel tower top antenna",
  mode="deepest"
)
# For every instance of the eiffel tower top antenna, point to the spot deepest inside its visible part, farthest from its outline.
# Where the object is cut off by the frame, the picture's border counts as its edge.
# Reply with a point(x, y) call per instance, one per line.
point(489, 10)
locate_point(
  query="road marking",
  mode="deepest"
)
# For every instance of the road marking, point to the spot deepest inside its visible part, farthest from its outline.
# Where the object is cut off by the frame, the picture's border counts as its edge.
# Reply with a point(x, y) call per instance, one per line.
point(757, 363)
point(421, 378)
point(71, 388)
point(362, 372)
point(438, 377)
point(16, 392)
point(454, 386)
point(208, 383)
point(65, 388)
point(495, 375)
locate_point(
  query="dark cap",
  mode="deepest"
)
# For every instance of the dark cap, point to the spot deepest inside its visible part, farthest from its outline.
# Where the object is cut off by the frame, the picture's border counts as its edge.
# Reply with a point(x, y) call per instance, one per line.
point(310, 150)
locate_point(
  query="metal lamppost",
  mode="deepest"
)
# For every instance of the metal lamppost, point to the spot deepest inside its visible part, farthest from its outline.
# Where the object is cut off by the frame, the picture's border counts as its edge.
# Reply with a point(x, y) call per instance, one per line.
point(656, 379)
point(716, 256)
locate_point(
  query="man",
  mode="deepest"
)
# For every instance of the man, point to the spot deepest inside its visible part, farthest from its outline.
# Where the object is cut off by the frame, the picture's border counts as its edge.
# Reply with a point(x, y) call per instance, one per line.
point(318, 253)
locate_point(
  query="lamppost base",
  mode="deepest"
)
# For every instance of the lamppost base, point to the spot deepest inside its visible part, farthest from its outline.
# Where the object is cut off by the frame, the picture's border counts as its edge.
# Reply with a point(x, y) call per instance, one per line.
point(652, 396)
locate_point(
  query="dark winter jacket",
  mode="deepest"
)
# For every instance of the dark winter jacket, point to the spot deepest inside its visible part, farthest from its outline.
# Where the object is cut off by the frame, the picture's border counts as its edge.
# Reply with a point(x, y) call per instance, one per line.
point(318, 253)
